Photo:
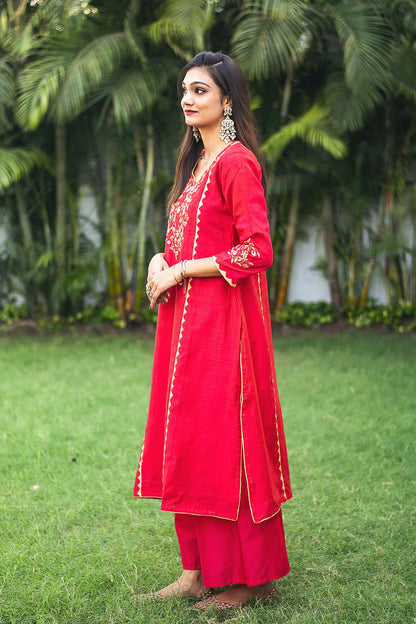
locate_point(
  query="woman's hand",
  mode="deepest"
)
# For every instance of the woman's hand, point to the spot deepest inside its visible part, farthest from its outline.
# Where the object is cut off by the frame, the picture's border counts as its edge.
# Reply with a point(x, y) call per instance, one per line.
point(159, 282)
point(156, 264)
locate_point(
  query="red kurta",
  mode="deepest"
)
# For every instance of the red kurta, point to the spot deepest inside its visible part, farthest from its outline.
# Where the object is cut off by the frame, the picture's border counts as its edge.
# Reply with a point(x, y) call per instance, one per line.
point(214, 406)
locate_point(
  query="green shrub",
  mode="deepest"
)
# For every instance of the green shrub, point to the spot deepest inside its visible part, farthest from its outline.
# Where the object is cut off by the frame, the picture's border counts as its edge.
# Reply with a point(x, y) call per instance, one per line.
point(401, 318)
point(301, 314)
point(11, 313)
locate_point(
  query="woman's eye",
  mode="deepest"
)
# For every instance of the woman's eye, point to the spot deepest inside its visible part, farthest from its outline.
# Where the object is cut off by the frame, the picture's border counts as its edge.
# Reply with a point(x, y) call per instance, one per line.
point(199, 90)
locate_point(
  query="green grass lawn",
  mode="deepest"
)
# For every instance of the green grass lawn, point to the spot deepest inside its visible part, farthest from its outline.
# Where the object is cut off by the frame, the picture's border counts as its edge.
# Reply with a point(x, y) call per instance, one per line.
point(75, 549)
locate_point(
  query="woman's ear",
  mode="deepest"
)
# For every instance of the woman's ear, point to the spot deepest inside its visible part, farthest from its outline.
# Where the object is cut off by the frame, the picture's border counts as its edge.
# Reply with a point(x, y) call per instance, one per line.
point(227, 101)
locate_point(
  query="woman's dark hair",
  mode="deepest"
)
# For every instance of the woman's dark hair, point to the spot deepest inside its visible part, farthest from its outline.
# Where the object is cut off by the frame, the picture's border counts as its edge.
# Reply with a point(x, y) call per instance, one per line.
point(227, 74)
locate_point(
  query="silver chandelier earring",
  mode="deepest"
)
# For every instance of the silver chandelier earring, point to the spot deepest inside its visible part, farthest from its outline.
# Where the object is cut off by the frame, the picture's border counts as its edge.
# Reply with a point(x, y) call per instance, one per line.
point(227, 132)
point(196, 133)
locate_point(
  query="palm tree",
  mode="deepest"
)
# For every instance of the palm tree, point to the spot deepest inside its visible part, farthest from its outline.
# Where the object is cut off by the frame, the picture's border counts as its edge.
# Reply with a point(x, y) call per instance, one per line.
point(119, 73)
point(344, 50)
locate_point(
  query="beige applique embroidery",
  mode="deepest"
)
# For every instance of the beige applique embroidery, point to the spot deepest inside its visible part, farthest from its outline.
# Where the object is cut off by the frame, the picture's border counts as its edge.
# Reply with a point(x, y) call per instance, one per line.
point(178, 220)
point(240, 253)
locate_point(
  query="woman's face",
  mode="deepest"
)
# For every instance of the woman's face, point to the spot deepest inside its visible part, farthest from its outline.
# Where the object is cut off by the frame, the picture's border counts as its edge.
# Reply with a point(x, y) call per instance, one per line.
point(202, 101)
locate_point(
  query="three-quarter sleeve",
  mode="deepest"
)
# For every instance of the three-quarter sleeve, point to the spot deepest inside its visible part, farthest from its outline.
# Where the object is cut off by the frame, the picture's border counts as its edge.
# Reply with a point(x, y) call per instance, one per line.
point(244, 197)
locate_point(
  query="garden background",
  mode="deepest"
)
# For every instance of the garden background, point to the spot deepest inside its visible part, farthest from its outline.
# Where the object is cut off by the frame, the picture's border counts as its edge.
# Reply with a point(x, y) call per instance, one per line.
point(90, 123)
point(89, 127)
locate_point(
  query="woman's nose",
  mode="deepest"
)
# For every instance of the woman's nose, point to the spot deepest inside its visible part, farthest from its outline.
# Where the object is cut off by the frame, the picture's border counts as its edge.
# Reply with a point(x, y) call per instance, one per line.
point(186, 100)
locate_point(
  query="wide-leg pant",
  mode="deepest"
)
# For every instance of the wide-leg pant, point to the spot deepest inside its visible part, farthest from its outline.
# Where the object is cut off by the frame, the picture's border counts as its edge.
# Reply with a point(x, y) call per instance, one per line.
point(231, 552)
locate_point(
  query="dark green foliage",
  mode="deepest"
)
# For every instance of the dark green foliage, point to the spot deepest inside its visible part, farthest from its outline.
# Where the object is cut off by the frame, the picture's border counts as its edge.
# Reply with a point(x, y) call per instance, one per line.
point(333, 87)
point(301, 314)
point(401, 318)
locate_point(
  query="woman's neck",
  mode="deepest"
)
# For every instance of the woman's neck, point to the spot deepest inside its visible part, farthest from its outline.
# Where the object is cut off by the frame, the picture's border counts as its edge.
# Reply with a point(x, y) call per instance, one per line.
point(212, 143)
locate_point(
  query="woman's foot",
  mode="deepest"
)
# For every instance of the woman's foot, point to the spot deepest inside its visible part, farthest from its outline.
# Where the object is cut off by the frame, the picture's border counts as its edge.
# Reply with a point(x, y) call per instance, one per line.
point(238, 596)
point(189, 584)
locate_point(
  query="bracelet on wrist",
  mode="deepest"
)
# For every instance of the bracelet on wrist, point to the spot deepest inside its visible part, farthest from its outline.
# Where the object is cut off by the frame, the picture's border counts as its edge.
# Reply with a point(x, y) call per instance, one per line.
point(177, 276)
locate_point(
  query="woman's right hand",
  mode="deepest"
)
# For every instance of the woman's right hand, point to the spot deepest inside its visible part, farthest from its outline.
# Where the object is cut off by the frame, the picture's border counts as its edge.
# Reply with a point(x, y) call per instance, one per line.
point(157, 264)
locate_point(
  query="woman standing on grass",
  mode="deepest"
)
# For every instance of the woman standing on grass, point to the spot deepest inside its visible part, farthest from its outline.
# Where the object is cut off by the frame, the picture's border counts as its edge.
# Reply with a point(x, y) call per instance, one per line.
point(214, 449)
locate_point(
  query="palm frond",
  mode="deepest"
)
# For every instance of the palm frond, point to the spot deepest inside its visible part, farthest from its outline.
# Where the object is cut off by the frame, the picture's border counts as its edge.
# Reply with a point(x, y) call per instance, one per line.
point(132, 32)
point(348, 109)
point(314, 128)
point(39, 82)
point(89, 69)
point(277, 9)
point(369, 43)
point(134, 91)
point(7, 90)
point(282, 184)
point(183, 25)
point(264, 46)
point(404, 71)
point(71, 66)
point(16, 163)
point(18, 41)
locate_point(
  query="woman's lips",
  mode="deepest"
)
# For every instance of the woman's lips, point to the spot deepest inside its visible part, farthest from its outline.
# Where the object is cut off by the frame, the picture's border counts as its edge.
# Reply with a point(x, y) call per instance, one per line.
point(189, 112)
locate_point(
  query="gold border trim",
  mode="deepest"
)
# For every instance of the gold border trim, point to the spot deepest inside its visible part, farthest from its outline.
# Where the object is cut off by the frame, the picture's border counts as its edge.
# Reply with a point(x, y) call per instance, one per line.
point(273, 373)
point(172, 383)
point(223, 273)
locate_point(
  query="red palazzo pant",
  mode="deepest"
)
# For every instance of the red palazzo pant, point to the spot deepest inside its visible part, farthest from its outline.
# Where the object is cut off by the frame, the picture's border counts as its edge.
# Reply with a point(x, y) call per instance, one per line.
point(230, 552)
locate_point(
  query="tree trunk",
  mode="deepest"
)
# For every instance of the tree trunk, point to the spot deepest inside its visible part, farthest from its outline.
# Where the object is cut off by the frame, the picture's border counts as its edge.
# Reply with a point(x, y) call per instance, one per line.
point(140, 237)
point(288, 248)
point(60, 155)
point(25, 226)
point(29, 252)
point(372, 263)
point(403, 261)
point(352, 273)
point(331, 258)
point(116, 274)
point(274, 273)
point(287, 94)
point(115, 290)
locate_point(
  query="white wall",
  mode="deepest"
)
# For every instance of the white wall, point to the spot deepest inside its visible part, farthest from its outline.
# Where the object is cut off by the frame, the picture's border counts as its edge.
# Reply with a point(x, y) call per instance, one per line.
point(307, 284)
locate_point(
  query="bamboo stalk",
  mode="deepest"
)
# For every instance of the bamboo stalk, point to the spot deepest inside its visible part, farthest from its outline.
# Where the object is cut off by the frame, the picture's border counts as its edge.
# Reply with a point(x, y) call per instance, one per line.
point(372, 263)
point(288, 248)
point(329, 244)
point(60, 155)
point(138, 285)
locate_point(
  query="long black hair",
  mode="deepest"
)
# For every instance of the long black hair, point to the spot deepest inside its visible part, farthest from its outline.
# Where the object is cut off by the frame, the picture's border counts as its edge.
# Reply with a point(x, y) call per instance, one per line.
point(228, 76)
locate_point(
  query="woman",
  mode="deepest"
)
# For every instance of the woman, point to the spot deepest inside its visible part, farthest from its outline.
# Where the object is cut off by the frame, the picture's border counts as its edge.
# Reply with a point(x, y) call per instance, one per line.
point(214, 448)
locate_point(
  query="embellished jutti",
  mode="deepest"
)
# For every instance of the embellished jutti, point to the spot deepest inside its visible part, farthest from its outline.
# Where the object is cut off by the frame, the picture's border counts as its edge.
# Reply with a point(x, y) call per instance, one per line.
point(214, 419)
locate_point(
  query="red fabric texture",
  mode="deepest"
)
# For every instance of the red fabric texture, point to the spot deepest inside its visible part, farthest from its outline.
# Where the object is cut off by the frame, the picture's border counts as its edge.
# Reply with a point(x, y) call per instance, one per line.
point(214, 408)
point(230, 552)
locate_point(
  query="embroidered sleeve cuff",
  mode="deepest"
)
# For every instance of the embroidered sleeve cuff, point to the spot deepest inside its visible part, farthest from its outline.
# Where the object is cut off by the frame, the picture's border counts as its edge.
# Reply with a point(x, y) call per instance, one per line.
point(223, 273)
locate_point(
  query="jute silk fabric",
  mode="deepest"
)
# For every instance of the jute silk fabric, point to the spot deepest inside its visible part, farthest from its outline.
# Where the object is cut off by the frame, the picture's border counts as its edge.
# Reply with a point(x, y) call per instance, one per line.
point(214, 408)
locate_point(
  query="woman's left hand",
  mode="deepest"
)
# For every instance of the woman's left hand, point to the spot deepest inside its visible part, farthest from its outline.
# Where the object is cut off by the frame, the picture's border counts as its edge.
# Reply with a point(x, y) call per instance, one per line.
point(158, 283)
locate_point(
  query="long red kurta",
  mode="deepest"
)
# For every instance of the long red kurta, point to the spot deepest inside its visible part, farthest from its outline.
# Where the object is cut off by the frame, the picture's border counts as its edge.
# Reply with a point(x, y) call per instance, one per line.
point(214, 406)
